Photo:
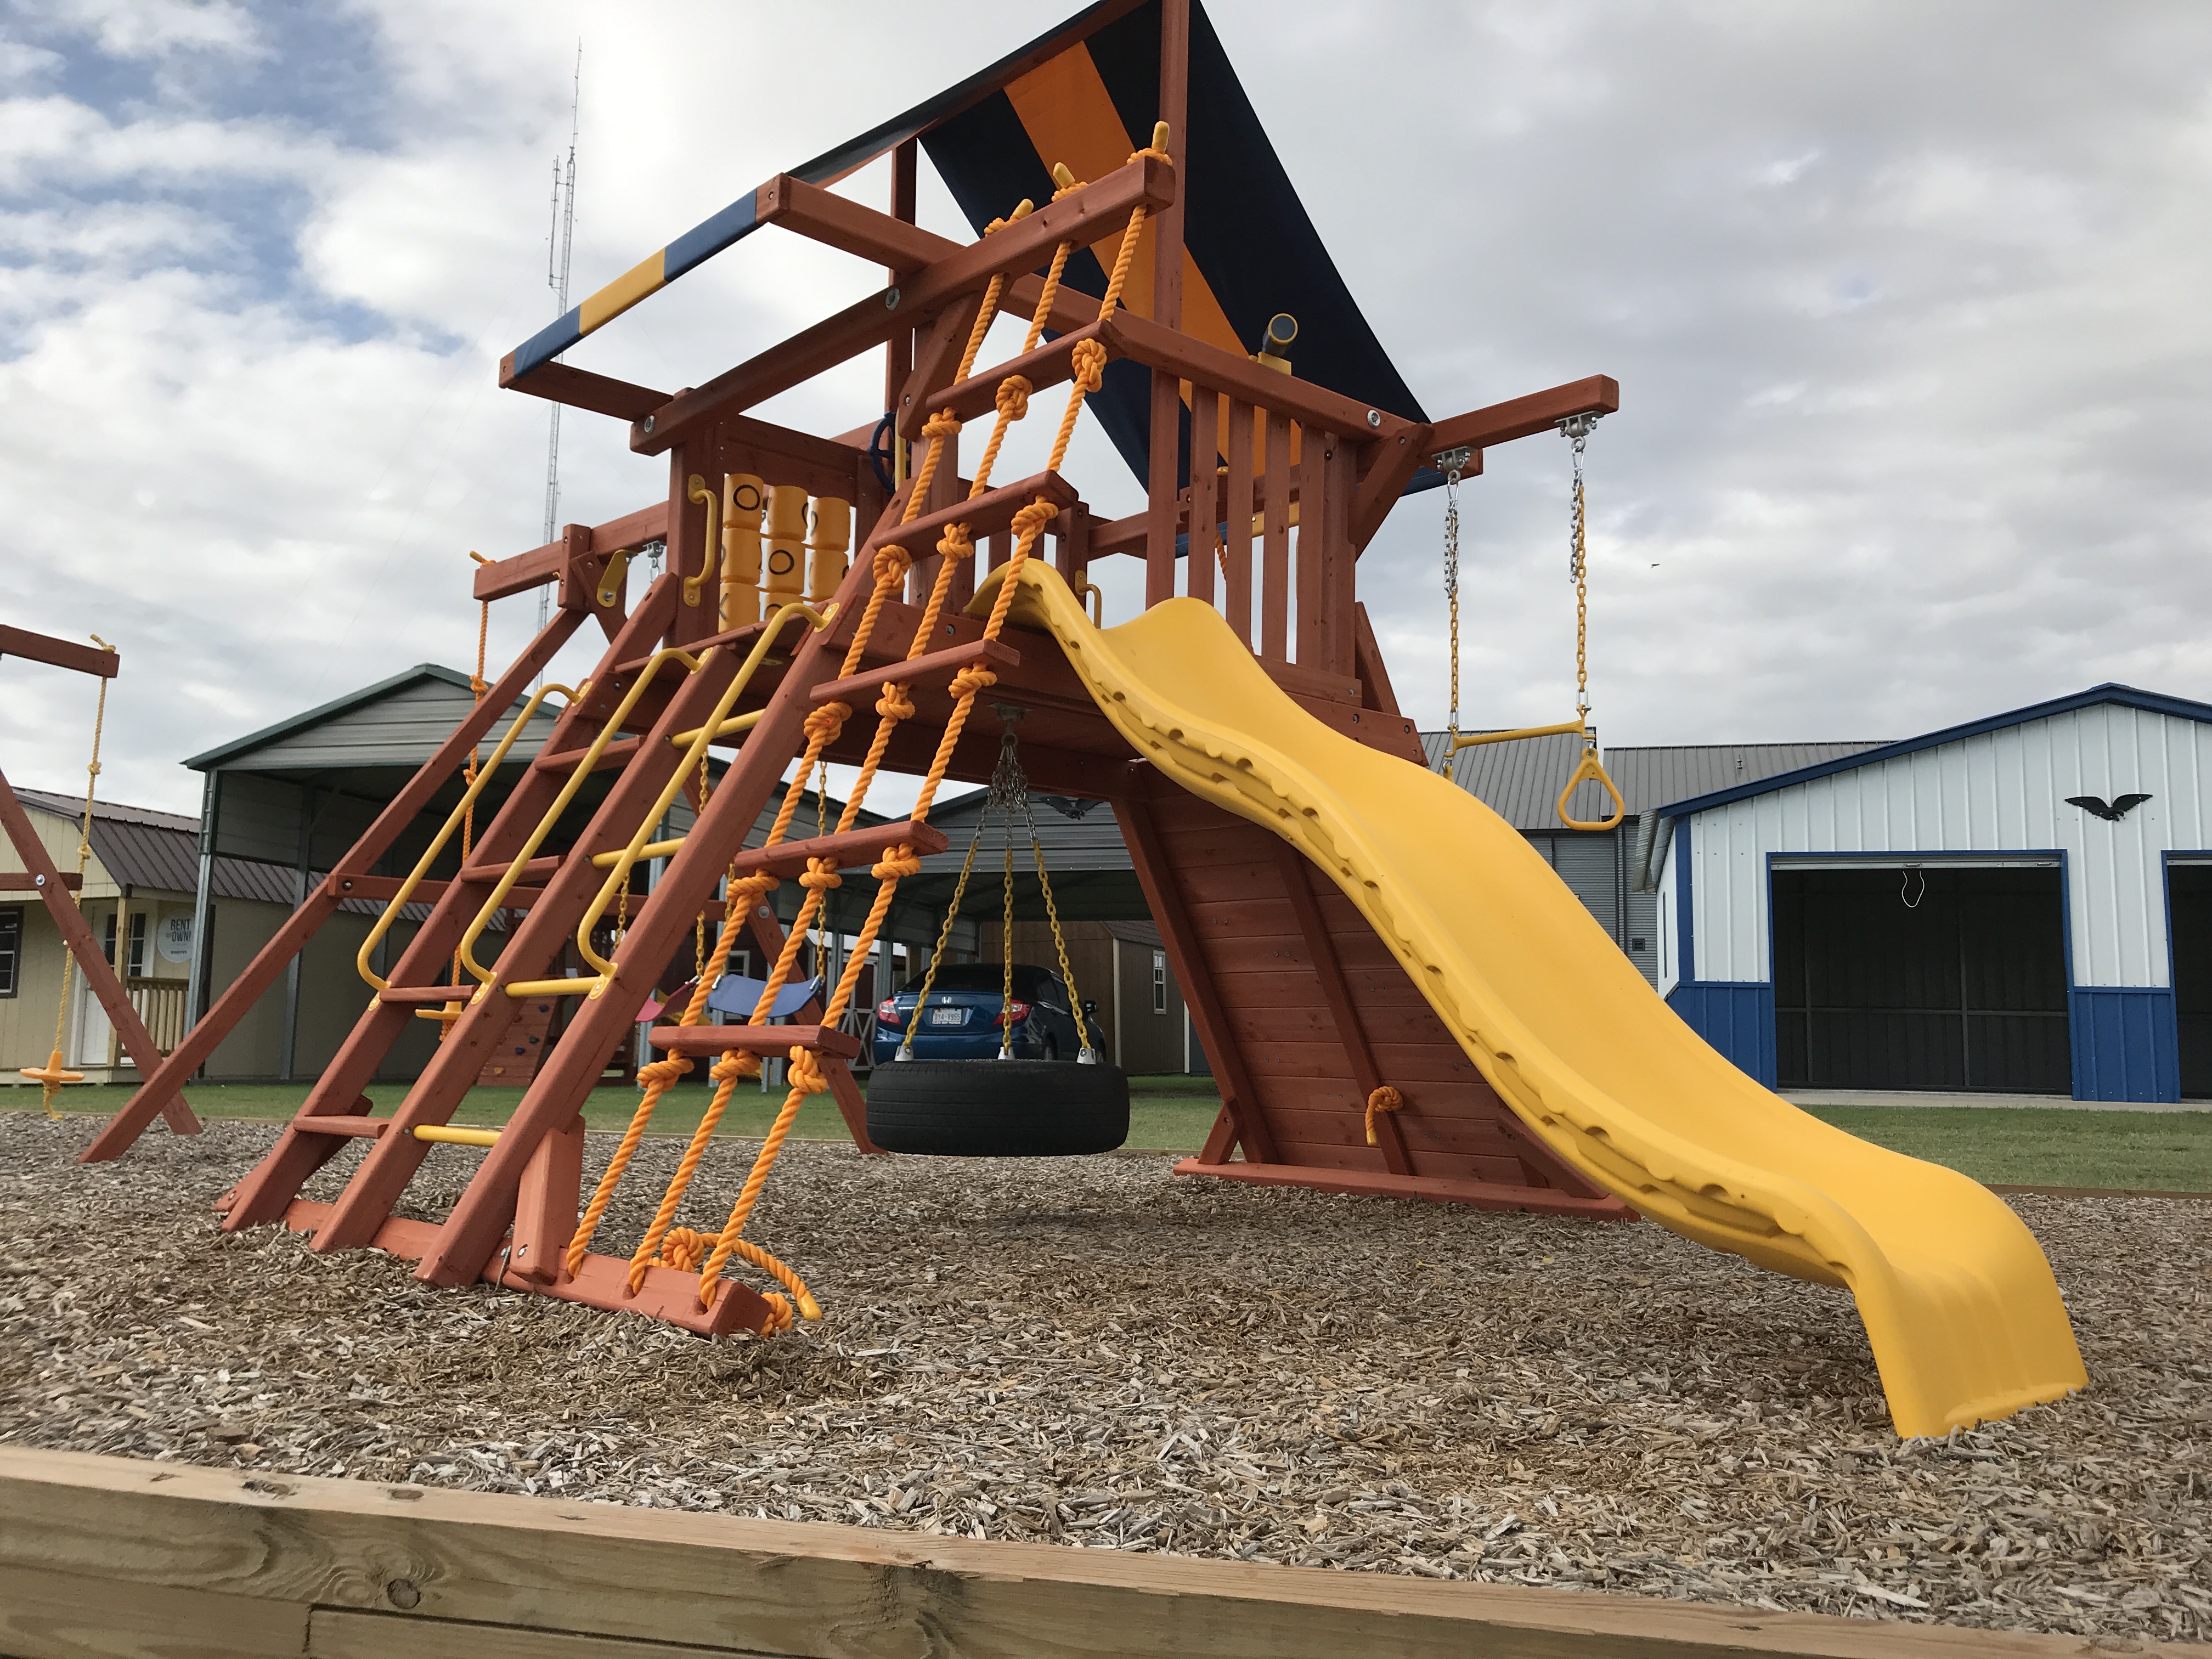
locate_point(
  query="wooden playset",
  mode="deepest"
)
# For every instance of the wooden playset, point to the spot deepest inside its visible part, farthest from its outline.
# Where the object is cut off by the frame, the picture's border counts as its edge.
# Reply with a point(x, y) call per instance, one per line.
point(1484, 1045)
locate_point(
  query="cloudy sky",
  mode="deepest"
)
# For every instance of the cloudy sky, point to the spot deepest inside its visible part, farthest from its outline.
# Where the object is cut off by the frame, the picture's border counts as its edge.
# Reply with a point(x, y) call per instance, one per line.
point(1908, 304)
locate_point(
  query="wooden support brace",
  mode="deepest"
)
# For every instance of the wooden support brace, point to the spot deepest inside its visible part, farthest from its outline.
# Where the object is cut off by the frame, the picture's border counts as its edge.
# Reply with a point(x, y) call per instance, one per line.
point(98, 977)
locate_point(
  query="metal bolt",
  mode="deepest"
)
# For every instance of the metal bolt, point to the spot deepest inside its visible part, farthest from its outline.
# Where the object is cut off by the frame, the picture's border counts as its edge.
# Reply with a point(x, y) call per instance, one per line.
point(646, 426)
point(39, 881)
point(890, 299)
point(403, 1594)
point(1374, 417)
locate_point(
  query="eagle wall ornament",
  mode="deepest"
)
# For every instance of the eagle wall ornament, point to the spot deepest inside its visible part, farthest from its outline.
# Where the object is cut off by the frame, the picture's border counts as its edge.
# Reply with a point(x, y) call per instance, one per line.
point(2111, 813)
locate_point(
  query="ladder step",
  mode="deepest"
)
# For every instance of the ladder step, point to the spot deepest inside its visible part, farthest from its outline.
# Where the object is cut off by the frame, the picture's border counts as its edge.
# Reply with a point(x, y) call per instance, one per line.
point(536, 870)
point(413, 995)
point(854, 849)
point(945, 663)
point(353, 1128)
point(754, 1039)
point(984, 515)
point(620, 752)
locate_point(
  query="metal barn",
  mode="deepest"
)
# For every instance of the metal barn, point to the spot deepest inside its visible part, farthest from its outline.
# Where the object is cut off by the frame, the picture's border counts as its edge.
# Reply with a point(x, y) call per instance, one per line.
point(2020, 904)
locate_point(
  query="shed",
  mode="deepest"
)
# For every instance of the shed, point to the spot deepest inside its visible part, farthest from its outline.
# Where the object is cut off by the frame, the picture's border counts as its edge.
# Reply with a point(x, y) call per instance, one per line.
point(1521, 782)
point(2022, 903)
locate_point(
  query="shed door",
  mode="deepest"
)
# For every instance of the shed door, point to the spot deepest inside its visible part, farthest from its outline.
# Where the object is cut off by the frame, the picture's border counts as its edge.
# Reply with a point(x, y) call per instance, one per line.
point(2190, 892)
point(1929, 978)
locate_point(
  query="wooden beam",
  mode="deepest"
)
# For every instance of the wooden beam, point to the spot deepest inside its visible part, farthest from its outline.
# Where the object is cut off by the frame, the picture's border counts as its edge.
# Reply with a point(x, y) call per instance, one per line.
point(1086, 216)
point(1337, 994)
point(23, 881)
point(1047, 366)
point(578, 388)
point(117, 1556)
point(1438, 1190)
point(1389, 469)
point(503, 578)
point(1191, 359)
point(1520, 417)
point(59, 654)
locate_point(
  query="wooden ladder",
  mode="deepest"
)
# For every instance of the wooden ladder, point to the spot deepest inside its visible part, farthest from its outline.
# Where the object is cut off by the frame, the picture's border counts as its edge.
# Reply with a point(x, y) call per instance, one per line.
point(515, 1219)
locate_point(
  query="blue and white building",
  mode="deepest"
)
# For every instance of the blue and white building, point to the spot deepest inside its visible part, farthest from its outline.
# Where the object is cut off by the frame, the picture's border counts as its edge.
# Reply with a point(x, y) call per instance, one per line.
point(2020, 904)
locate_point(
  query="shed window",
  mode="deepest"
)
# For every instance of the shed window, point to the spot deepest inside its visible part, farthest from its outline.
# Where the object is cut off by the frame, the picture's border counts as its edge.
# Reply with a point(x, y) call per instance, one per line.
point(138, 968)
point(1160, 982)
point(11, 949)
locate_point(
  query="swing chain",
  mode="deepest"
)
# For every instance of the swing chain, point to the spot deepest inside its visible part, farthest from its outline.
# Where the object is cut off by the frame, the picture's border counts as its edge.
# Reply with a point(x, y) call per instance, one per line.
point(1576, 429)
point(1452, 463)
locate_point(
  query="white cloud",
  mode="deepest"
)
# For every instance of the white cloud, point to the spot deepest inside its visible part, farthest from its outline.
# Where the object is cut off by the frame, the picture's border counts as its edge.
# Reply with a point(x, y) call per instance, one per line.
point(149, 29)
point(1906, 306)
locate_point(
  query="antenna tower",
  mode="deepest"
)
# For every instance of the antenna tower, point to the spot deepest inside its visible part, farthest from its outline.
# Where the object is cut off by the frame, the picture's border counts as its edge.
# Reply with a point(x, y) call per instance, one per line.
point(559, 241)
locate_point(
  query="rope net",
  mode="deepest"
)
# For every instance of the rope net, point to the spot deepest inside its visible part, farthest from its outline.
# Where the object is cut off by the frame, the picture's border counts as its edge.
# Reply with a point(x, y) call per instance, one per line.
point(664, 1244)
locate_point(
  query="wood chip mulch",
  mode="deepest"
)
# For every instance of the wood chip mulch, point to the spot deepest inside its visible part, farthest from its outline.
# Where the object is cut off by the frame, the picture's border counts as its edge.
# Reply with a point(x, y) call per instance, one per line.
point(1092, 1352)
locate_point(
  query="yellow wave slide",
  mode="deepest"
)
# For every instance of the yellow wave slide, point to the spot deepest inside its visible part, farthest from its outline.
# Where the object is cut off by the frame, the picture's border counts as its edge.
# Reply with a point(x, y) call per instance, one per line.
point(1960, 1307)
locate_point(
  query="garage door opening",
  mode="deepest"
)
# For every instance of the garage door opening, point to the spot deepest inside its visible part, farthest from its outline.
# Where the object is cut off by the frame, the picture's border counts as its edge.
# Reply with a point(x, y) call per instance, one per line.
point(1925, 978)
point(2190, 897)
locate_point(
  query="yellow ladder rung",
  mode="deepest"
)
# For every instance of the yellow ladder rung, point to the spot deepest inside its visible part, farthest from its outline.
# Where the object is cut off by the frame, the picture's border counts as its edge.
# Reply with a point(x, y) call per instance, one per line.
point(449, 1136)
point(655, 849)
point(555, 987)
point(743, 722)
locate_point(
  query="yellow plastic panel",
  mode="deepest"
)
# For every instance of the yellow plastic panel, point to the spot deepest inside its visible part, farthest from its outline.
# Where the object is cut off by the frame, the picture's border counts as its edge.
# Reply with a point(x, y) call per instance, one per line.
point(1960, 1307)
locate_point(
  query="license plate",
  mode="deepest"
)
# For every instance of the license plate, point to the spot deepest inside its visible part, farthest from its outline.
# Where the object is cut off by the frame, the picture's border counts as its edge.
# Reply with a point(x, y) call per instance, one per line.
point(948, 1016)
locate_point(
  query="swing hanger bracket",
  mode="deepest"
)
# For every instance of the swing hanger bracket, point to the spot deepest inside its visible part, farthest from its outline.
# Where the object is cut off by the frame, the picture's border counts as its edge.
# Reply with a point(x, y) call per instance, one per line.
point(1579, 427)
point(1453, 463)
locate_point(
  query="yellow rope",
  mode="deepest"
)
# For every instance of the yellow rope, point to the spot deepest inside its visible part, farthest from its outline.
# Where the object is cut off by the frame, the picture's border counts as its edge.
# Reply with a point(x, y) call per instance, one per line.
point(52, 1076)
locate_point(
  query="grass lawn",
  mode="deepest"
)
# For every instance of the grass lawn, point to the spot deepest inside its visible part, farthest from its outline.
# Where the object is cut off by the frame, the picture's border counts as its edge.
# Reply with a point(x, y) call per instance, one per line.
point(2162, 1152)
point(1166, 1114)
point(2166, 1151)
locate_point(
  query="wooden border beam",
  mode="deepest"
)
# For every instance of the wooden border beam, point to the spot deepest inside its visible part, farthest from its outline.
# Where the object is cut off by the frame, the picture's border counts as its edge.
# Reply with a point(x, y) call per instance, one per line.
point(113, 1555)
point(504, 578)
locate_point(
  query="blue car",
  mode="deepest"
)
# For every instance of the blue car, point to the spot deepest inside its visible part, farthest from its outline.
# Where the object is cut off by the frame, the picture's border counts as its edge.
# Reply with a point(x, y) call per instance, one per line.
point(966, 1006)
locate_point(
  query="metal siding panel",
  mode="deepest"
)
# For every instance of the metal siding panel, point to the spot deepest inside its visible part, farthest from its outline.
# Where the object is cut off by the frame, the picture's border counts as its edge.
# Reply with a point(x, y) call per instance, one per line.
point(2126, 1044)
point(1590, 865)
point(1642, 920)
point(1670, 944)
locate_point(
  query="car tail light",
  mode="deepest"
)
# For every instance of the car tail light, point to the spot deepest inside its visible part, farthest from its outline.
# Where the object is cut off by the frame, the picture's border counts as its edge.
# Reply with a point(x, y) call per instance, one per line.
point(887, 1011)
point(1016, 1011)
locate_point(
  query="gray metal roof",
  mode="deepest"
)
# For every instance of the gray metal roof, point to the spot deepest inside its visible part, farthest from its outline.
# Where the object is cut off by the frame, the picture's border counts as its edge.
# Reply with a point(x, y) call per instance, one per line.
point(1520, 781)
point(145, 849)
point(397, 721)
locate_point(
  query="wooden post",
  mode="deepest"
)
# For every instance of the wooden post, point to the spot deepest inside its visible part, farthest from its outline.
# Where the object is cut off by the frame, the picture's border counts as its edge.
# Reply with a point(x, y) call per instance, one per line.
point(1175, 110)
point(1161, 483)
point(1315, 626)
point(689, 554)
point(1204, 495)
point(1236, 515)
point(1275, 544)
point(545, 1208)
point(898, 352)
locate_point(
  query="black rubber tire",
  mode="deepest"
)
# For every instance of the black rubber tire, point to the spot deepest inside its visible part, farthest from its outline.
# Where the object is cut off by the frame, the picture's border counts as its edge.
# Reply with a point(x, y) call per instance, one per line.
point(998, 1108)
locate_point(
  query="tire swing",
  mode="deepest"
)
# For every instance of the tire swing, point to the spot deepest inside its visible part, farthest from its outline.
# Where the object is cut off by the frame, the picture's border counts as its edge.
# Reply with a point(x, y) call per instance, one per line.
point(1002, 1107)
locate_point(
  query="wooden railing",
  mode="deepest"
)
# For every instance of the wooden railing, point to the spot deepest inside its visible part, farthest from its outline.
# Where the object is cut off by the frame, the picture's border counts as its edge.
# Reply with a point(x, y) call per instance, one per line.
point(160, 1005)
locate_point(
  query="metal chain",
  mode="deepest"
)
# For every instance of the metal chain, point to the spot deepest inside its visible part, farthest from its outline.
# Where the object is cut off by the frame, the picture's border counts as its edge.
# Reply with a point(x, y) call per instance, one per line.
point(1452, 462)
point(1576, 429)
